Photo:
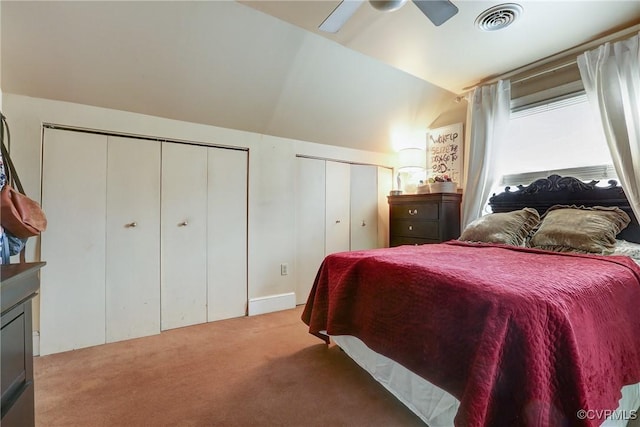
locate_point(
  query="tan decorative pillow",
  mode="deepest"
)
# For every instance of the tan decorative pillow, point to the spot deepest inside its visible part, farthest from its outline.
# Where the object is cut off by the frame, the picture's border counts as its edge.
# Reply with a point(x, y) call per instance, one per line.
point(511, 228)
point(580, 229)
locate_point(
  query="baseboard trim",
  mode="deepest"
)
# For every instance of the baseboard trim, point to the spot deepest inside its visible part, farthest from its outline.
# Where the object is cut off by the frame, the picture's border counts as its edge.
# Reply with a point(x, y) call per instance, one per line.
point(272, 303)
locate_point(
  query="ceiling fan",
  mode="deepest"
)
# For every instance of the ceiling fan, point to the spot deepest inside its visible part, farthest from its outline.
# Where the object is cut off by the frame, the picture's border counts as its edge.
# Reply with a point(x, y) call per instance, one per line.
point(438, 11)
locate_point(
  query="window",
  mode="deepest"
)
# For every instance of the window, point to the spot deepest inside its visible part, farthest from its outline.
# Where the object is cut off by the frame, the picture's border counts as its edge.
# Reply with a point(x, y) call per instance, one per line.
point(562, 137)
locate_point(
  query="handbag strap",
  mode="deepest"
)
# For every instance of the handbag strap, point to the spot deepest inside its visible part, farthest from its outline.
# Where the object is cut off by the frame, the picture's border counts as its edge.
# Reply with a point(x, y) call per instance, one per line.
point(11, 170)
point(12, 174)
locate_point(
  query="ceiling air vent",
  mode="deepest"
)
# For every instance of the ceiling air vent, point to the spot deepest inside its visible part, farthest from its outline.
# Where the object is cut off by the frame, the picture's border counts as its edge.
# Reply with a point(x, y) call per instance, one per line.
point(498, 17)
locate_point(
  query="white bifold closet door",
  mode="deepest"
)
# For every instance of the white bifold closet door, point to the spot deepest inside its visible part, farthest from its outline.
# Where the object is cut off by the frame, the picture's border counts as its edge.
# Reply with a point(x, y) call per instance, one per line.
point(385, 185)
point(101, 197)
point(142, 236)
point(364, 207)
point(74, 180)
point(204, 234)
point(184, 235)
point(133, 243)
point(337, 209)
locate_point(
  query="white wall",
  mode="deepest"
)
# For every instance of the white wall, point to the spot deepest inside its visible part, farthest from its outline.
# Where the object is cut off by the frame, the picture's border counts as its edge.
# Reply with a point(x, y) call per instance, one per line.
point(271, 174)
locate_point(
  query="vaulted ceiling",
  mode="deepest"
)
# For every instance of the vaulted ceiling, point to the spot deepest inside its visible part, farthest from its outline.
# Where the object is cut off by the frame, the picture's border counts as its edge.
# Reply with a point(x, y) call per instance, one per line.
point(263, 67)
point(457, 55)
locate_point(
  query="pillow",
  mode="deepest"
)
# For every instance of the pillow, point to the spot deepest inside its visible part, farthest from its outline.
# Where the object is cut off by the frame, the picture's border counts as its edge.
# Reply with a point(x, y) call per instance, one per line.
point(511, 228)
point(580, 229)
point(630, 249)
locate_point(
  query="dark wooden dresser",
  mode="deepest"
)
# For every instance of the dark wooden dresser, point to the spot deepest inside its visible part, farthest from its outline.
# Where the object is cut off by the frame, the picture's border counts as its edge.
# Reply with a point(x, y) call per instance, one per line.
point(424, 218)
point(19, 283)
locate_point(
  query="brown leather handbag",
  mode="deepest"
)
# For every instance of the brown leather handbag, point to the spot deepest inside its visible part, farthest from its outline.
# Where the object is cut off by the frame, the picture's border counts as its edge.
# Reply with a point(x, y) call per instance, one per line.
point(19, 215)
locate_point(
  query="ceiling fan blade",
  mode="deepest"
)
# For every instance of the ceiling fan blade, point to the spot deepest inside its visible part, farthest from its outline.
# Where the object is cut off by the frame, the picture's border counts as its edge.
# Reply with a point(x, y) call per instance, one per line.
point(438, 11)
point(340, 16)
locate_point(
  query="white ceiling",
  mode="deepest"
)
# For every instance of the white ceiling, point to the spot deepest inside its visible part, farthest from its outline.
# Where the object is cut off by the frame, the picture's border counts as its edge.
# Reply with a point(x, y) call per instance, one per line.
point(226, 64)
point(456, 55)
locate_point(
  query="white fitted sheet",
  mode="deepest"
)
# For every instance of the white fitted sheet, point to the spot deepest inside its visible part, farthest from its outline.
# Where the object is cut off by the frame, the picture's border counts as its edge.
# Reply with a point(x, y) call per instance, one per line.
point(433, 405)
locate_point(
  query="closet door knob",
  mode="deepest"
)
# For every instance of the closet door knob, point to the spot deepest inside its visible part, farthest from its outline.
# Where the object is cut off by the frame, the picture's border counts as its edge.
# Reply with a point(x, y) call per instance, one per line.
point(131, 225)
point(183, 224)
point(364, 224)
point(337, 221)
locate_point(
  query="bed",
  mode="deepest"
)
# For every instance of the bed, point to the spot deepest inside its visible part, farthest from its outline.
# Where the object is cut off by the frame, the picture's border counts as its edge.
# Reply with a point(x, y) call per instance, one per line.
point(494, 333)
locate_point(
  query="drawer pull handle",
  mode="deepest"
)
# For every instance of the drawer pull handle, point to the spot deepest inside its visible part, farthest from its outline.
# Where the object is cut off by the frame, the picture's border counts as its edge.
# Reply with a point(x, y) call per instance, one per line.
point(131, 225)
point(337, 221)
point(364, 224)
point(413, 212)
point(183, 224)
point(411, 228)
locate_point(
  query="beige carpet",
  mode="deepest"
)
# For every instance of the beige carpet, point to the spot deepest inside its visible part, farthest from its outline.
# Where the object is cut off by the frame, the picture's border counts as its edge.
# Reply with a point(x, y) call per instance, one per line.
point(251, 371)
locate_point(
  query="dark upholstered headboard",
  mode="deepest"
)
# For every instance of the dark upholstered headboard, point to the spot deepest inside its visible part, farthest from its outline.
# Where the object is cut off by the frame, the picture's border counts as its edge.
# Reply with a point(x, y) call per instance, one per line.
point(554, 190)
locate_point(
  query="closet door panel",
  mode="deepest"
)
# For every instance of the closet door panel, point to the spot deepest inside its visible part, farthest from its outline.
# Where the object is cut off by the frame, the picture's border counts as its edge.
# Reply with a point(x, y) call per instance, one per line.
point(337, 221)
point(183, 235)
point(133, 239)
point(364, 207)
point(385, 185)
point(310, 223)
point(227, 233)
point(72, 311)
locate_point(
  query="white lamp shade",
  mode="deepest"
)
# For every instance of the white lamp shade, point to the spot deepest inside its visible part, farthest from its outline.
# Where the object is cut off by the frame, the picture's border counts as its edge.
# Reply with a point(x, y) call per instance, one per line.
point(412, 159)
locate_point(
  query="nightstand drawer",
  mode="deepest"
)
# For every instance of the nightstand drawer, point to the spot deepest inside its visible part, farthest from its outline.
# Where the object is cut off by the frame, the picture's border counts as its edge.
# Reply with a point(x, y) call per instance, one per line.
point(398, 241)
point(415, 211)
point(412, 228)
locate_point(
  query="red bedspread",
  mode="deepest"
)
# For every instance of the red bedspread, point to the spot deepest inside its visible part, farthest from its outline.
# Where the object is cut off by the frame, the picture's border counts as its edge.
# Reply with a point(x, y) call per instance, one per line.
point(521, 337)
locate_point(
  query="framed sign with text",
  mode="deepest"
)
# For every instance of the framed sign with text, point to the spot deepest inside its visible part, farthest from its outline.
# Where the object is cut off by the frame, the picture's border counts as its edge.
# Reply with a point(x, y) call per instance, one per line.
point(445, 151)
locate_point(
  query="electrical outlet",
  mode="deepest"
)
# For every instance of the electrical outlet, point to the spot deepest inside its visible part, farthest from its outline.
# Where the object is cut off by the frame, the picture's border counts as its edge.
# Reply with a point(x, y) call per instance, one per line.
point(284, 269)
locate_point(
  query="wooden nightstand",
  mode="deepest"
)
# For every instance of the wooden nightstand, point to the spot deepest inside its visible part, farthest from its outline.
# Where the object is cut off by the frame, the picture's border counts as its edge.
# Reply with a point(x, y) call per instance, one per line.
point(20, 283)
point(424, 218)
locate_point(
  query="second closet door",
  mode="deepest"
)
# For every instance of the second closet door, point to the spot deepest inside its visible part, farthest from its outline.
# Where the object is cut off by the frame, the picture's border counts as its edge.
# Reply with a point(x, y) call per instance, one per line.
point(133, 242)
point(364, 207)
point(338, 191)
point(184, 235)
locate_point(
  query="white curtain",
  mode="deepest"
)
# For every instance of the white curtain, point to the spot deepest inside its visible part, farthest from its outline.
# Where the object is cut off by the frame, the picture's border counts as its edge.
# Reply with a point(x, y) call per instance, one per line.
point(487, 119)
point(611, 78)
